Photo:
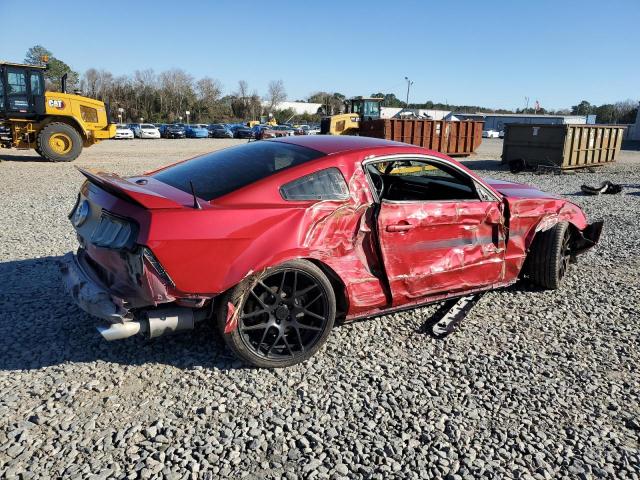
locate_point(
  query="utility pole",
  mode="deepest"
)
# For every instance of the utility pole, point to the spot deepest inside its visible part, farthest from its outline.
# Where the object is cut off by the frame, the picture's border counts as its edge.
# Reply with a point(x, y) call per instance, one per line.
point(526, 99)
point(409, 83)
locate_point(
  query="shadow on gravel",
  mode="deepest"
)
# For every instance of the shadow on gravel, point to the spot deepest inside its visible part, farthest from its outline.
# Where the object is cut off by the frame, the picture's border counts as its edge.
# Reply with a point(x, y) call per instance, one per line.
point(22, 158)
point(427, 327)
point(484, 165)
point(40, 327)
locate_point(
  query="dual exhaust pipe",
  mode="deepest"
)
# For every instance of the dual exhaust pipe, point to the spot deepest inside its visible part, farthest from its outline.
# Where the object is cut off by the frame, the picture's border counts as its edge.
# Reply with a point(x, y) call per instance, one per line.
point(156, 323)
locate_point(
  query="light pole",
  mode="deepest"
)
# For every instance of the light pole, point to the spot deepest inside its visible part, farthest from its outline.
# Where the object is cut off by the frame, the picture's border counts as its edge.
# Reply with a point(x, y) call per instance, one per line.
point(179, 119)
point(526, 100)
point(187, 112)
point(409, 83)
point(120, 112)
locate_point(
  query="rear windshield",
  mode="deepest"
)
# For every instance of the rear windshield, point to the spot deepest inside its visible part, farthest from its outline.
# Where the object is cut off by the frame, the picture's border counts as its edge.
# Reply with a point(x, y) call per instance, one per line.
point(224, 171)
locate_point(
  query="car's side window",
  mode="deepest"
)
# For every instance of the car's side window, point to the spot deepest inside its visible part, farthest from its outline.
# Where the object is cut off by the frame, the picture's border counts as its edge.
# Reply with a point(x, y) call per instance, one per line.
point(421, 180)
point(326, 184)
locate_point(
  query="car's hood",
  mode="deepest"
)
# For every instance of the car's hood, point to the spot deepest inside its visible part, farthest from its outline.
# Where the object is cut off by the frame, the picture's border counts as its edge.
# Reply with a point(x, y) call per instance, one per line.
point(518, 190)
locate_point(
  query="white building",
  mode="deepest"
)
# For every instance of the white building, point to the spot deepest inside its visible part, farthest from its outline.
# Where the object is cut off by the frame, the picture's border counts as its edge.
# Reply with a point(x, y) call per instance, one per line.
point(497, 121)
point(298, 107)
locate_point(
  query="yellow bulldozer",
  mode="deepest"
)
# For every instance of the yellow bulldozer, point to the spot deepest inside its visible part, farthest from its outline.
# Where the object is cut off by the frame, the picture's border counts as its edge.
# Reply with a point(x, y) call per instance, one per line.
point(55, 124)
point(348, 123)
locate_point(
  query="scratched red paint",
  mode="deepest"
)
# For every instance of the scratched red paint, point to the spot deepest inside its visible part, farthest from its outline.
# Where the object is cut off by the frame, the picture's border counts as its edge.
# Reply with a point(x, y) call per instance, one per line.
point(448, 247)
point(232, 319)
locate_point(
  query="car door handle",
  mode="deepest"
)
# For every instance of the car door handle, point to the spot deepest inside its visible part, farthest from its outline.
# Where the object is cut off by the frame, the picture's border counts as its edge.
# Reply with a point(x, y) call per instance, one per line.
point(400, 227)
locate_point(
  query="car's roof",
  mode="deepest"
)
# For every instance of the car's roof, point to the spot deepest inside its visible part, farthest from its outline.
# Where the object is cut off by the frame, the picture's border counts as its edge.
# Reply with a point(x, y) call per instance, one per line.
point(330, 144)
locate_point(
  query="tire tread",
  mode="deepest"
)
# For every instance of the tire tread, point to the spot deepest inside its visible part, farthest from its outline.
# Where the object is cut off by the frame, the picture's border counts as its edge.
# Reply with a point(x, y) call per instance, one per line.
point(545, 257)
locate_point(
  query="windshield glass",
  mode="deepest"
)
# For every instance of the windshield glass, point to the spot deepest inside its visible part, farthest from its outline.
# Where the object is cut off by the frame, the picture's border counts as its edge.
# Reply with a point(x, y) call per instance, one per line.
point(147, 126)
point(371, 109)
point(217, 173)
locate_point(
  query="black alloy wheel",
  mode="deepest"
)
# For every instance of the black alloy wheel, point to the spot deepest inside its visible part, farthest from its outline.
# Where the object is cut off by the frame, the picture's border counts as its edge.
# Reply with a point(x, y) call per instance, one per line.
point(283, 315)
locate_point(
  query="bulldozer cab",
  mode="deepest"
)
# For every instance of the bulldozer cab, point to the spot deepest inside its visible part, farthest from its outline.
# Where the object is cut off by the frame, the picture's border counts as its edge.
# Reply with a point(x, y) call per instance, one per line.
point(366, 108)
point(21, 91)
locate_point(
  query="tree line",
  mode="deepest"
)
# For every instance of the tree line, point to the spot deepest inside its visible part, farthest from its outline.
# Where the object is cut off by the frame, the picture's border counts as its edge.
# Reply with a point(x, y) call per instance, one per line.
point(168, 95)
point(162, 97)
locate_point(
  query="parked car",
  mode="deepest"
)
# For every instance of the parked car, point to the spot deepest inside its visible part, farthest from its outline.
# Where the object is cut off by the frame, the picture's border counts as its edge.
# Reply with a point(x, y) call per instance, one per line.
point(173, 131)
point(263, 132)
point(146, 130)
point(284, 130)
point(243, 132)
point(490, 134)
point(310, 130)
point(135, 128)
point(196, 131)
point(218, 130)
point(123, 132)
point(276, 240)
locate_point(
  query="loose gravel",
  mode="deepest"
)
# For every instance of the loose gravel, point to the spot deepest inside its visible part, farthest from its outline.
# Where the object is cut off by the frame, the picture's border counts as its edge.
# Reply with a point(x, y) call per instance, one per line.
point(532, 385)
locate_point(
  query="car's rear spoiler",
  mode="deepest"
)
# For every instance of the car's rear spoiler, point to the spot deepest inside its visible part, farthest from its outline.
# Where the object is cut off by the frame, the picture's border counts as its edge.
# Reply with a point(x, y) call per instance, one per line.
point(129, 191)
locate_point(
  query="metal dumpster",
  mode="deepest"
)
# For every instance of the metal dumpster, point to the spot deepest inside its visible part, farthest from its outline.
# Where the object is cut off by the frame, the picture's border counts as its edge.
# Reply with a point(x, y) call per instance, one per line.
point(454, 138)
point(561, 146)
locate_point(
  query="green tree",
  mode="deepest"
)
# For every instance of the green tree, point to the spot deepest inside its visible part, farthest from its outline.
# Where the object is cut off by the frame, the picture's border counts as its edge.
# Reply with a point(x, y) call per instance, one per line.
point(606, 113)
point(284, 115)
point(332, 103)
point(55, 70)
point(390, 99)
point(583, 108)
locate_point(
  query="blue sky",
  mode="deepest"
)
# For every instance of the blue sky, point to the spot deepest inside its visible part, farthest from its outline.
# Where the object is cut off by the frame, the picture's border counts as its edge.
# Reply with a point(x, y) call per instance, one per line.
point(489, 53)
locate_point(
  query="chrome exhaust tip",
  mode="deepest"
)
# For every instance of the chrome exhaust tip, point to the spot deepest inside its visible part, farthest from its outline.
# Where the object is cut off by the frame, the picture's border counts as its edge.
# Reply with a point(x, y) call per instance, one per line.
point(118, 331)
point(157, 322)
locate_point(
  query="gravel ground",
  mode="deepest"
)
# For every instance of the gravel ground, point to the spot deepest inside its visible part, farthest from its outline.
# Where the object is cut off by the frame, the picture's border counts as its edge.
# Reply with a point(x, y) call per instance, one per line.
point(533, 384)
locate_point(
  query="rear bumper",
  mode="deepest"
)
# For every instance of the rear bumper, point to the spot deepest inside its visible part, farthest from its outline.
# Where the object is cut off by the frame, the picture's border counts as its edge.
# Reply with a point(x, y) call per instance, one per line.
point(89, 293)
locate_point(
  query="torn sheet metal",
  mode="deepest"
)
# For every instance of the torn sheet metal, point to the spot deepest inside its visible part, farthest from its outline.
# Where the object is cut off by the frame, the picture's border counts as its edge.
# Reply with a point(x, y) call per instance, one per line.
point(441, 246)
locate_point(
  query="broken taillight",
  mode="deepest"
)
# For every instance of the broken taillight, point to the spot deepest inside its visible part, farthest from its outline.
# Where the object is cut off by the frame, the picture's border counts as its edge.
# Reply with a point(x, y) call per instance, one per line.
point(157, 266)
point(115, 232)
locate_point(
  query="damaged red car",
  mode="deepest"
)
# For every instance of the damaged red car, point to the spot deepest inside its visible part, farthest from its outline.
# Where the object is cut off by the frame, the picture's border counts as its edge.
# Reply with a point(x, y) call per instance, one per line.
point(277, 240)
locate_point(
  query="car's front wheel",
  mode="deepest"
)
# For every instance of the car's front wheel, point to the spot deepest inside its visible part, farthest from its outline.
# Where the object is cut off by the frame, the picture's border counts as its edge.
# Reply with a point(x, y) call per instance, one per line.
point(549, 256)
point(279, 317)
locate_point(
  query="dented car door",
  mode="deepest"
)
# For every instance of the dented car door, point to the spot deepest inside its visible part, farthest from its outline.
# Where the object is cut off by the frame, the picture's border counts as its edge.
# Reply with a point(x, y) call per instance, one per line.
point(435, 245)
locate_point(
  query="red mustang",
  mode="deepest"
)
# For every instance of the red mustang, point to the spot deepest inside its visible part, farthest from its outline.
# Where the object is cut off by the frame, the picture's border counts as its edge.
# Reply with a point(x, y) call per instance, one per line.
point(275, 240)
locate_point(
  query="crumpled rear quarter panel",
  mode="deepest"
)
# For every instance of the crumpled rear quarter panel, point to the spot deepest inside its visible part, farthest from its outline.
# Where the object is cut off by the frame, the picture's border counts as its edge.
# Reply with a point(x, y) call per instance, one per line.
point(209, 251)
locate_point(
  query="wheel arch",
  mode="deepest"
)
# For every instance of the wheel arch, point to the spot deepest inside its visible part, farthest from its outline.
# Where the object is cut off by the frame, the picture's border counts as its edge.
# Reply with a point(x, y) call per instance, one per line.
point(72, 122)
point(339, 287)
point(546, 223)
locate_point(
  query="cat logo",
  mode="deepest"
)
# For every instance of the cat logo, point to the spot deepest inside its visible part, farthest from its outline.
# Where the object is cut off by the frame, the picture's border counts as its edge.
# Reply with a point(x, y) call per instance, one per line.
point(59, 104)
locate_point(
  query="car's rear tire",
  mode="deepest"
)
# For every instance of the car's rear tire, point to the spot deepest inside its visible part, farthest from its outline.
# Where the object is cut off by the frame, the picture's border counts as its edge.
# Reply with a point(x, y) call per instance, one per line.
point(59, 142)
point(549, 256)
point(283, 315)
